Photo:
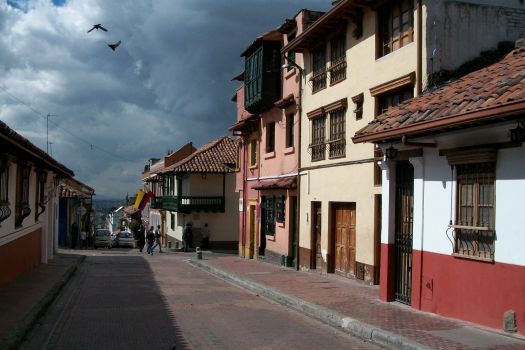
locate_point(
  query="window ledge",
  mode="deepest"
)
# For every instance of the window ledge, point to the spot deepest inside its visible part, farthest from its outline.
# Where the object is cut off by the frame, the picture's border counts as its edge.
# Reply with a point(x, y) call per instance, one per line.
point(270, 238)
point(252, 167)
point(289, 150)
point(269, 155)
point(470, 257)
point(332, 83)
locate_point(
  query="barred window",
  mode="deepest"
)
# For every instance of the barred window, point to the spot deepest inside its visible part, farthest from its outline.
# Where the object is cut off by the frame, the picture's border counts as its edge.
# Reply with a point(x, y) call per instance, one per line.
point(337, 133)
point(475, 221)
point(22, 209)
point(40, 193)
point(337, 59)
point(319, 70)
point(318, 138)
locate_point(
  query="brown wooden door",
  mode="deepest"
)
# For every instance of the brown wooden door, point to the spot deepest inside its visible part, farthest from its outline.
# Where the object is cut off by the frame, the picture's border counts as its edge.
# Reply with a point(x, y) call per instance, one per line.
point(316, 236)
point(344, 229)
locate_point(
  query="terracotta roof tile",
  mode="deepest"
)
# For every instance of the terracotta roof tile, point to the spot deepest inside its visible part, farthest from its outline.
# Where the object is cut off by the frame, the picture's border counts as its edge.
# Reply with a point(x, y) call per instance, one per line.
point(210, 158)
point(494, 90)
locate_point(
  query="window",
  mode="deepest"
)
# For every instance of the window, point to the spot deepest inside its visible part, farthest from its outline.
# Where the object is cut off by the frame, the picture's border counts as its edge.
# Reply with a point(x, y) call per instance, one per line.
point(40, 193)
point(253, 153)
point(396, 24)
point(22, 194)
point(392, 99)
point(253, 77)
point(337, 133)
point(270, 137)
point(475, 226)
point(268, 219)
point(318, 138)
point(337, 59)
point(172, 223)
point(290, 130)
point(319, 70)
point(5, 210)
point(273, 212)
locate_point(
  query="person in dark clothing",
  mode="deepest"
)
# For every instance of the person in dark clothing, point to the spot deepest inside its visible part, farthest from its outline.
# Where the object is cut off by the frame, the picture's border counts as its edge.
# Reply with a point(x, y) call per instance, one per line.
point(150, 238)
point(141, 237)
point(186, 237)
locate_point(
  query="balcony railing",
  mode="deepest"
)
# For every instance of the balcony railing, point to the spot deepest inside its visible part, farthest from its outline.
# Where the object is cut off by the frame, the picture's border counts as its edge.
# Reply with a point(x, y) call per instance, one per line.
point(188, 204)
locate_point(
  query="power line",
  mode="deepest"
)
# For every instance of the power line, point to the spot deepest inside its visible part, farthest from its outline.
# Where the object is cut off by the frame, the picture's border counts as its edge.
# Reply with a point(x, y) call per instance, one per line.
point(44, 115)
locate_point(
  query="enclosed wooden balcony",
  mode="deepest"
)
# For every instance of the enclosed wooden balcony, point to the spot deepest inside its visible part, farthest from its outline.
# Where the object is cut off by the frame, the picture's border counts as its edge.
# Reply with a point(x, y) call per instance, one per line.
point(188, 204)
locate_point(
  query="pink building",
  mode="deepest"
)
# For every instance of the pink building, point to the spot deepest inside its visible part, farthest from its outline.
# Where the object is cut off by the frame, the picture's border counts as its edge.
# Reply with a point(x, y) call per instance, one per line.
point(268, 109)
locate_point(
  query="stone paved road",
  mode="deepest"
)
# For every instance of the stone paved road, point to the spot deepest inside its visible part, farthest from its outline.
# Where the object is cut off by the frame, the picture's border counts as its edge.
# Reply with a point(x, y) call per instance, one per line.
point(126, 300)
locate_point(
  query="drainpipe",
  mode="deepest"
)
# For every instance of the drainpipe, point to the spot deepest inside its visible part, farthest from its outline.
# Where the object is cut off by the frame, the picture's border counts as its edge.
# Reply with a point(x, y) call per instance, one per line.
point(299, 109)
point(419, 59)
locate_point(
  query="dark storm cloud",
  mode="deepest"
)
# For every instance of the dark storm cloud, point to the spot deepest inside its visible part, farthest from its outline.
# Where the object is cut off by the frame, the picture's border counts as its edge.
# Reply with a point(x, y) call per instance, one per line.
point(167, 84)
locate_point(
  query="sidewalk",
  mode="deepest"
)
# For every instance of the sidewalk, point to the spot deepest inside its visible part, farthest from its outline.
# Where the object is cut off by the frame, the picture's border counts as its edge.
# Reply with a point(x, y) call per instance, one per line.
point(24, 300)
point(355, 307)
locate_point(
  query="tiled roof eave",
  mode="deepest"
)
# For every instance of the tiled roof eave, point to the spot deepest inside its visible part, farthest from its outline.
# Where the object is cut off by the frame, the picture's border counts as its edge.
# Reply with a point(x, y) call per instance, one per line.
point(501, 111)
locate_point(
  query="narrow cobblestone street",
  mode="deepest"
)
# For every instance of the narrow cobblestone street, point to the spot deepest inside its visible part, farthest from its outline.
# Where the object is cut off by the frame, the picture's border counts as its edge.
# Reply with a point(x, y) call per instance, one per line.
point(122, 299)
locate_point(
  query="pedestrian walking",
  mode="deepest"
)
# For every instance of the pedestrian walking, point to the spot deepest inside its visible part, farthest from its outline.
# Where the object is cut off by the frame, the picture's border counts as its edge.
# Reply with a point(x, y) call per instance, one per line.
point(205, 231)
point(157, 240)
point(150, 239)
point(186, 237)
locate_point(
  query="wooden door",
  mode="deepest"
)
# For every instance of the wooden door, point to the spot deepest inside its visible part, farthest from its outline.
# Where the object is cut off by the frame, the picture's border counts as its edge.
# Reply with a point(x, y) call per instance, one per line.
point(251, 247)
point(344, 233)
point(317, 258)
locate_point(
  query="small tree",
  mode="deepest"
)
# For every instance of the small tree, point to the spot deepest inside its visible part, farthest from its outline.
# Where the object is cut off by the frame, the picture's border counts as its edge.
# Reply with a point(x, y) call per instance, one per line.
point(134, 226)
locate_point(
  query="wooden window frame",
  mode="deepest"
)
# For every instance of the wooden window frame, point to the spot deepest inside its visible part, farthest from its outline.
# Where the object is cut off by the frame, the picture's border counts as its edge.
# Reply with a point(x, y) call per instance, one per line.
point(337, 67)
point(318, 78)
point(395, 26)
point(337, 141)
point(318, 145)
point(474, 238)
point(253, 144)
point(253, 75)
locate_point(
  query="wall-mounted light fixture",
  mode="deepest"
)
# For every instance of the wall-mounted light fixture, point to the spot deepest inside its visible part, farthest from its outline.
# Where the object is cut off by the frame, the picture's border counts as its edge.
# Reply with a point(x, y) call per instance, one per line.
point(391, 153)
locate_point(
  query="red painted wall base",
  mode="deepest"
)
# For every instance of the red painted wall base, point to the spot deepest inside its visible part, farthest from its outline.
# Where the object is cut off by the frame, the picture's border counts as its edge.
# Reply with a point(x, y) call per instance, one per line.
point(20, 256)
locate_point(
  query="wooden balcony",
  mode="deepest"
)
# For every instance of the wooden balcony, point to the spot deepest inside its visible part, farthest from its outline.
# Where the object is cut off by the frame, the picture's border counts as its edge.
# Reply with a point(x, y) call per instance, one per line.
point(188, 204)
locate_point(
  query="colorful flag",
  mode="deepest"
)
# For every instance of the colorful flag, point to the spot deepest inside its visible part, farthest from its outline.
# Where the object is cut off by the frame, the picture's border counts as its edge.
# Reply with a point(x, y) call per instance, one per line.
point(138, 200)
point(145, 200)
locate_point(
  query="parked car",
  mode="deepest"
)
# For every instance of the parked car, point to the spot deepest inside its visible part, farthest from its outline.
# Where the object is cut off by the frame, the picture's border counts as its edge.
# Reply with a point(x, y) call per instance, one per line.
point(125, 239)
point(103, 238)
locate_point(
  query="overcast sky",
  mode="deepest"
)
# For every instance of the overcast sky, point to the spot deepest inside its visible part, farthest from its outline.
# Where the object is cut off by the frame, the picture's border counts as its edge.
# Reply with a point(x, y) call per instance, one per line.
point(167, 84)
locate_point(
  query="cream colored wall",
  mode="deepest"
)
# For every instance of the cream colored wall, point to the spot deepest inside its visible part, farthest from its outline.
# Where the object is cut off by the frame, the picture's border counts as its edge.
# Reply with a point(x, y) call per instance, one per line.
point(352, 182)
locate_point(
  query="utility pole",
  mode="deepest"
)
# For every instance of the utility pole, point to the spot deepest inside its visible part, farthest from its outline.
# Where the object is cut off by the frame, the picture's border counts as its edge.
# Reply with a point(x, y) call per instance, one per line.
point(47, 131)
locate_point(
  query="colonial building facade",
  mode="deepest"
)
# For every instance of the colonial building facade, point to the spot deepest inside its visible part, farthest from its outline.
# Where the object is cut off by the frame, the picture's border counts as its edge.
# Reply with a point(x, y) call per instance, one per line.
point(361, 58)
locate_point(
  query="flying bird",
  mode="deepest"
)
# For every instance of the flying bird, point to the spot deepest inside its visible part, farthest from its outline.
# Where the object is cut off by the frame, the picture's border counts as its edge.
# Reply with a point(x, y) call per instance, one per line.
point(98, 26)
point(114, 46)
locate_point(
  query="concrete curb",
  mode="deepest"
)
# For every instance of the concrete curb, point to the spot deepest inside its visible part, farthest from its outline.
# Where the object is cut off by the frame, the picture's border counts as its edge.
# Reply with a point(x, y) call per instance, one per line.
point(20, 330)
point(348, 324)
